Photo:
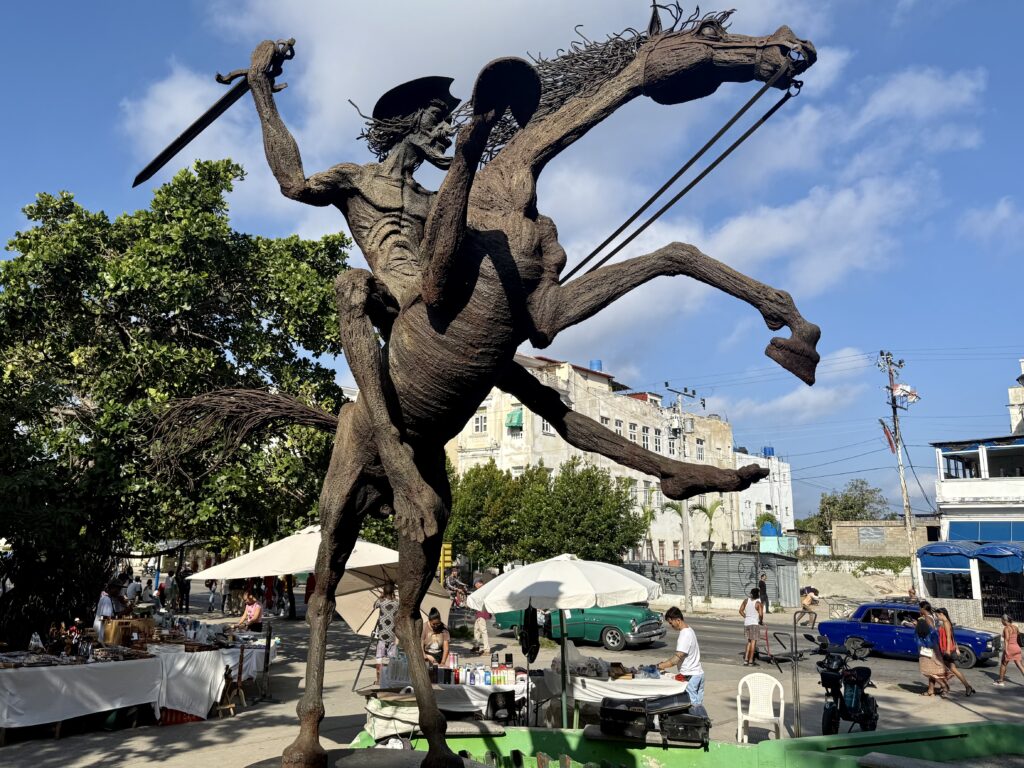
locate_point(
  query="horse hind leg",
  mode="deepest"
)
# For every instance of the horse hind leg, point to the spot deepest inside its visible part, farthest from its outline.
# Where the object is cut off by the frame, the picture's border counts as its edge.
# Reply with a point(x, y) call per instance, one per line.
point(555, 307)
point(346, 498)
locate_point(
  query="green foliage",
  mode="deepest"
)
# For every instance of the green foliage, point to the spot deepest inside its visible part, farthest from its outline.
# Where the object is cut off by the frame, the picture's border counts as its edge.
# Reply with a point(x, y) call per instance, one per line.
point(859, 500)
point(767, 517)
point(103, 322)
point(892, 563)
point(497, 518)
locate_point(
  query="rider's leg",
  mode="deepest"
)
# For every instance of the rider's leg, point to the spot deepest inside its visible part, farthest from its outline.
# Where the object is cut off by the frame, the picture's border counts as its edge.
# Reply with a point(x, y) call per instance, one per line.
point(500, 85)
point(554, 308)
point(417, 564)
point(358, 294)
point(346, 497)
point(679, 480)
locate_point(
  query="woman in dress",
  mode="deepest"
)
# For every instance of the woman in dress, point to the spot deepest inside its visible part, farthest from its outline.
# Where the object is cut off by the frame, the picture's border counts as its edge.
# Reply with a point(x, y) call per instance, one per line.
point(387, 620)
point(930, 658)
point(1011, 649)
point(947, 644)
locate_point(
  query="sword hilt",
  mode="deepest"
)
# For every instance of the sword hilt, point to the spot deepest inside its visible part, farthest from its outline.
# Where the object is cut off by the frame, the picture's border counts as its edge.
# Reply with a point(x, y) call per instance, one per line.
point(283, 51)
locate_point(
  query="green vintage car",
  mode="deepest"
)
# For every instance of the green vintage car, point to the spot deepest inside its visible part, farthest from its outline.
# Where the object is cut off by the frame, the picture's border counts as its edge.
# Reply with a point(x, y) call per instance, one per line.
point(614, 627)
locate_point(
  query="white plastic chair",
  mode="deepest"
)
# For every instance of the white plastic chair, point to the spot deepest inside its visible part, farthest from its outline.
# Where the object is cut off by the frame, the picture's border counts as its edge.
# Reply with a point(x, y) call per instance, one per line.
point(760, 707)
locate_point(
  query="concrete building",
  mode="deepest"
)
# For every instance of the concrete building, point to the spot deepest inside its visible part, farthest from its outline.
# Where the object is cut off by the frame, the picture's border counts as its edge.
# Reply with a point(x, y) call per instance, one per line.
point(504, 430)
point(880, 538)
point(774, 494)
point(979, 493)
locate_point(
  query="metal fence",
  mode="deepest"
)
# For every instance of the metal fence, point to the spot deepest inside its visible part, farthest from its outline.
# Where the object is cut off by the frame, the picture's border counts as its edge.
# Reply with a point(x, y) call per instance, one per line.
point(733, 574)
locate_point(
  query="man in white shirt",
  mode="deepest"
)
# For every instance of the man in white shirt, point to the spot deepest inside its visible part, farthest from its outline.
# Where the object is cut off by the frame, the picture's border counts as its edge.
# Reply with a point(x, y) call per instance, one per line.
point(687, 656)
point(134, 589)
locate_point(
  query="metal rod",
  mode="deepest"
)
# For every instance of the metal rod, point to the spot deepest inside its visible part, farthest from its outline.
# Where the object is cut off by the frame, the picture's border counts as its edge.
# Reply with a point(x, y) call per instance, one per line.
point(565, 670)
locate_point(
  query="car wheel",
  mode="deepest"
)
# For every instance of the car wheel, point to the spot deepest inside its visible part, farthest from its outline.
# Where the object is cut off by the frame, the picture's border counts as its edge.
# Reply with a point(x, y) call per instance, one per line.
point(613, 639)
point(830, 720)
point(967, 657)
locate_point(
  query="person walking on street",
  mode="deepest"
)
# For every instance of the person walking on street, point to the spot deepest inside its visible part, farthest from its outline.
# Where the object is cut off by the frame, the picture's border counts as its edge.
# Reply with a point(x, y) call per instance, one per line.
point(387, 621)
point(752, 611)
point(807, 603)
point(762, 589)
point(211, 584)
point(481, 642)
point(222, 587)
point(686, 657)
point(947, 646)
point(171, 592)
point(1011, 649)
point(930, 658)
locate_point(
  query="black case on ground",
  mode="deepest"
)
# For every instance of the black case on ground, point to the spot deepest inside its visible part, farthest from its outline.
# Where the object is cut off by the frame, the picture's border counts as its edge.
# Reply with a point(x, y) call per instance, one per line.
point(673, 716)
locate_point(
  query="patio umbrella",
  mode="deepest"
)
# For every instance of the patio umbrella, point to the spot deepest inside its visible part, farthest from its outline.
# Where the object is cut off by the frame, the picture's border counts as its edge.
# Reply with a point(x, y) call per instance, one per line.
point(563, 583)
point(293, 554)
point(360, 588)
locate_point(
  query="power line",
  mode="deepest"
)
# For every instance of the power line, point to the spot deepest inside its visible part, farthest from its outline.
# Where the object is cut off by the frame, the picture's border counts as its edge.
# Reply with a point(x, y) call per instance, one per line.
point(851, 472)
point(830, 450)
point(837, 461)
point(921, 487)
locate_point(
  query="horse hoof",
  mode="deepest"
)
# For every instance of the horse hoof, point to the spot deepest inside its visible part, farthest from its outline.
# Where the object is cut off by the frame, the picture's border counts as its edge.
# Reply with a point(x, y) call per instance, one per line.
point(795, 355)
point(507, 83)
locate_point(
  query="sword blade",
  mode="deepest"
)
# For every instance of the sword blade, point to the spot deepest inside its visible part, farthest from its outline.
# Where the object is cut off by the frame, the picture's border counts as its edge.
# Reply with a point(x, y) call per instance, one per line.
point(219, 108)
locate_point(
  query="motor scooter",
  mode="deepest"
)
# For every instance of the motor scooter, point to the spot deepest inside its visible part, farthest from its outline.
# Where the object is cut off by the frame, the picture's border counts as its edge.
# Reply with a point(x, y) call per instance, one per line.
point(845, 686)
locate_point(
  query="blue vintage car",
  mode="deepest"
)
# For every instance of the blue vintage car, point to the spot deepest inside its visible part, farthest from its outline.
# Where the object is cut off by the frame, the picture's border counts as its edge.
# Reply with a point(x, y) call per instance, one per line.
point(890, 627)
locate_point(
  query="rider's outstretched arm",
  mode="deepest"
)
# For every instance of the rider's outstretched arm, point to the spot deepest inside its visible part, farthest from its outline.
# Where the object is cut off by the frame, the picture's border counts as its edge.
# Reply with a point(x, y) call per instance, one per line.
point(280, 146)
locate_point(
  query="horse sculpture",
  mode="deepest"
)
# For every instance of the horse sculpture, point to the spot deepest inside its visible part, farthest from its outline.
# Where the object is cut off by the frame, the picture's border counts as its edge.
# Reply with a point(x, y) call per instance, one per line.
point(462, 277)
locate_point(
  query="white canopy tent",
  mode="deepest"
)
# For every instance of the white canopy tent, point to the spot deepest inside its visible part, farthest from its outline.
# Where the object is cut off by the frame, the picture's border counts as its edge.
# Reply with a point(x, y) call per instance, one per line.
point(293, 554)
point(562, 583)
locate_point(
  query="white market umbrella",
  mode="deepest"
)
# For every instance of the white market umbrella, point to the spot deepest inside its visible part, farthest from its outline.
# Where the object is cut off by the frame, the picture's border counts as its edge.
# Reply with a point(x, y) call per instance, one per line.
point(360, 588)
point(293, 554)
point(562, 583)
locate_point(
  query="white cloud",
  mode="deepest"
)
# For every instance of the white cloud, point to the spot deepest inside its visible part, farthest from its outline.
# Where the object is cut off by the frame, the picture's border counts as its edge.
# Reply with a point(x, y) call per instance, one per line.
point(1002, 225)
point(920, 95)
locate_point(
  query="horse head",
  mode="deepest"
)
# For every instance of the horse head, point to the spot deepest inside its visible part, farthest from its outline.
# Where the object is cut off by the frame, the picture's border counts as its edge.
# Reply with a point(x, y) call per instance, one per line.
point(691, 62)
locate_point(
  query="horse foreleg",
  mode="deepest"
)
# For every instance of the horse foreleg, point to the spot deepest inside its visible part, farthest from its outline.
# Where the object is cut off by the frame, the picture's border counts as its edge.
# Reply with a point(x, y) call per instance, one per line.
point(502, 84)
point(417, 564)
point(555, 308)
point(679, 480)
point(358, 296)
point(344, 502)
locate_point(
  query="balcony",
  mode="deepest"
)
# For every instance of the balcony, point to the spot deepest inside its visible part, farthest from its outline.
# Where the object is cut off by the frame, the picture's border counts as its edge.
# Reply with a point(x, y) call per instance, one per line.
point(990, 491)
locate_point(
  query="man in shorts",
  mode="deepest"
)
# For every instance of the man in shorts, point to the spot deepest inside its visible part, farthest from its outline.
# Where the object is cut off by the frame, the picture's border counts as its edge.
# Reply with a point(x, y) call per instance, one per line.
point(752, 611)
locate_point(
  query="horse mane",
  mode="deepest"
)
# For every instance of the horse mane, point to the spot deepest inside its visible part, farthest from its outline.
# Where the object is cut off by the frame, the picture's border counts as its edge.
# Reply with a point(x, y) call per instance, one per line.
point(574, 72)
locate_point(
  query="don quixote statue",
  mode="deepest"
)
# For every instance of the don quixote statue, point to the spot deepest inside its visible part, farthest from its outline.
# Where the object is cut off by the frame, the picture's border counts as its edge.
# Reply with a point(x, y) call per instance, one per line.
point(461, 277)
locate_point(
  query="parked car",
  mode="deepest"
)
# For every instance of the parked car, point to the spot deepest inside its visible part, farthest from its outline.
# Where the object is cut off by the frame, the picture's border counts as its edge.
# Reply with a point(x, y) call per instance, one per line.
point(614, 627)
point(889, 625)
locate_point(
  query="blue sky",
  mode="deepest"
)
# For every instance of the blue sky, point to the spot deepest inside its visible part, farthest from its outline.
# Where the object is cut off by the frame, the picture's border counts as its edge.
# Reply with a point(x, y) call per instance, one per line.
point(886, 198)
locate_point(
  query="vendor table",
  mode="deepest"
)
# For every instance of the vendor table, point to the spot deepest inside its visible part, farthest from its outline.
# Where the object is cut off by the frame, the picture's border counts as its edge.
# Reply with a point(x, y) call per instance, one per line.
point(472, 698)
point(592, 690)
point(38, 695)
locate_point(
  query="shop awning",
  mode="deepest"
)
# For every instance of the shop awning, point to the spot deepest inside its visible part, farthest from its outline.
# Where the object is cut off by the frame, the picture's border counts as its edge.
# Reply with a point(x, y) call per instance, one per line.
point(1005, 557)
point(947, 556)
point(515, 418)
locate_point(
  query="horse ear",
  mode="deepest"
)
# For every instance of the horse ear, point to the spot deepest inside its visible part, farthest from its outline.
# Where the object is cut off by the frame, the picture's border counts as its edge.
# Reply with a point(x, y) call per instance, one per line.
point(509, 82)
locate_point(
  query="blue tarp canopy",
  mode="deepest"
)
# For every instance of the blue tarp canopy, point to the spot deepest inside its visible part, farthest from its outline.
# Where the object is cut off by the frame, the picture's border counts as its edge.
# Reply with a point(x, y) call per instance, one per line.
point(947, 556)
point(955, 556)
point(1005, 557)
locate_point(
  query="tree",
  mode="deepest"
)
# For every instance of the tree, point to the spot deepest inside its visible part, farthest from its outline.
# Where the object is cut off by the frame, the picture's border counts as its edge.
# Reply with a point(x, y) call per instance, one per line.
point(859, 500)
point(709, 511)
point(497, 518)
point(104, 322)
point(767, 517)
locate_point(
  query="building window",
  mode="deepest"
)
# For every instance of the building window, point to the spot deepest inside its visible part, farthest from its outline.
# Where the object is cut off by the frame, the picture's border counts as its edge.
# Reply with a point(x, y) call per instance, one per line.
point(604, 421)
point(661, 551)
point(657, 496)
point(632, 432)
point(647, 493)
point(700, 449)
point(634, 490)
point(645, 437)
point(480, 423)
point(618, 426)
point(657, 441)
point(686, 448)
point(671, 447)
point(515, 433)
point(546, 428)
point(675, 550)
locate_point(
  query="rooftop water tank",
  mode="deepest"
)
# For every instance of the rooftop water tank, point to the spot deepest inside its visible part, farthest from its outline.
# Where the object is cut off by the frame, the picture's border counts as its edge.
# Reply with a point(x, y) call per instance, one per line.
point(767, 451)
point(595, 365)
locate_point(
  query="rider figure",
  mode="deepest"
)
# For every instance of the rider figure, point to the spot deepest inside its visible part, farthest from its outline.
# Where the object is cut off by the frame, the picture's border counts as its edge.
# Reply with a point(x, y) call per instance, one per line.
point(456, 588)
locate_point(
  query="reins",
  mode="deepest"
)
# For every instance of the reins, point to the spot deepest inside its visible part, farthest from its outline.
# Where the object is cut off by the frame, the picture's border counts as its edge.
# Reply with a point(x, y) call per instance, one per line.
point(792, 91)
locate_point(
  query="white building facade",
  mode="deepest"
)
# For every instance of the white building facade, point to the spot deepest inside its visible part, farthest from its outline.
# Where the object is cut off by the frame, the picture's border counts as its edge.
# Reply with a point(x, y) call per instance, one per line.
point(504, 431)
point(773, 495)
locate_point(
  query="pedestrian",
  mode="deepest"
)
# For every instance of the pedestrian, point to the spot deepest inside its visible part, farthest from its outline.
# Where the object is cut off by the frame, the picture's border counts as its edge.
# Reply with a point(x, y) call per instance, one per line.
point(147, 592)
point(481, 642)
point(211, 584)
point(184, 589)
point(105, 608)
point(134, 590)
point(686, 657)
point(912, 593)
point(171, 591)
point(456, 589)
point(807, 603)
point(752, 611)
point(948, 647)
point(385, 631)
point(930, 658)
point(223, 589)
point(762, 589)
point(1011, 649)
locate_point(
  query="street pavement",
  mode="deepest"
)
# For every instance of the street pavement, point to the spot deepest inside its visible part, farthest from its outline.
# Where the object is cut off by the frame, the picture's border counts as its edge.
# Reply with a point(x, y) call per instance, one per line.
point(263, 729)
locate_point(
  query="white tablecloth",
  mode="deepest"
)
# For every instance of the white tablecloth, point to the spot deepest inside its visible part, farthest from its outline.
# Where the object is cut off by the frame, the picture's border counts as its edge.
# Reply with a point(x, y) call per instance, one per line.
point(193, 682)
point(37, 695)
point(472, 698)
point(591, 689)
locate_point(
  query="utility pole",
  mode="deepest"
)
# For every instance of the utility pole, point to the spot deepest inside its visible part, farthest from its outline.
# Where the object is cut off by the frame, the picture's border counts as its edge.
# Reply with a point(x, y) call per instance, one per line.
point(676, 431)
point(899, 402)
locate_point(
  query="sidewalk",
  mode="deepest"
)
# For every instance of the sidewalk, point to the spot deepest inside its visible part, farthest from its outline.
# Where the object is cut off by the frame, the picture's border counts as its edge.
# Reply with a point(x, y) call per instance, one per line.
point(264, 729)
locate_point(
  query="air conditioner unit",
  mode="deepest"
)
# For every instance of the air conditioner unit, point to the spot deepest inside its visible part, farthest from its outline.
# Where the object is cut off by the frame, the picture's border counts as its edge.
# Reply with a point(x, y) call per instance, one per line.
point(688, 426)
